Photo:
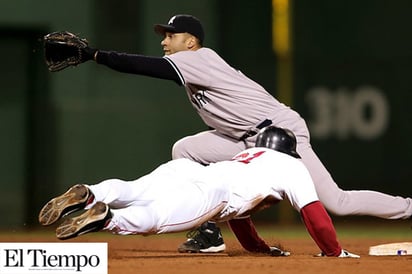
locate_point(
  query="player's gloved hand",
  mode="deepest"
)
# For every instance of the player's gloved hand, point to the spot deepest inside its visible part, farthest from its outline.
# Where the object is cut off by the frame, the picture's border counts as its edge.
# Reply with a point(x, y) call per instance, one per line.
point(63, 49)
point(277, 252)
point(87, 54)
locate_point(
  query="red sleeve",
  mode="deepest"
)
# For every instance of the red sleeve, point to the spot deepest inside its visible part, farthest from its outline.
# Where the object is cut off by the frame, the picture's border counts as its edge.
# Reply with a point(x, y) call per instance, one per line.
point(320, 227)
point(246, 233)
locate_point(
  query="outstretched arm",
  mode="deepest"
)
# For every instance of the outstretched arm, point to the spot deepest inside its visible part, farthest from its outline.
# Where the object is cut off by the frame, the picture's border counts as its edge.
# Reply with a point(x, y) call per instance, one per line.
point(316, 220)
point(157, 67)
point(247, 235)
point(320, 227)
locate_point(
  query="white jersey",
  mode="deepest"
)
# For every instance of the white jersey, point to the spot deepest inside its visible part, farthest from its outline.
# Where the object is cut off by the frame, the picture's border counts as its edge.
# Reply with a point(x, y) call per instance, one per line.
point(226, 99)
point(183, 194)
point(259, 173)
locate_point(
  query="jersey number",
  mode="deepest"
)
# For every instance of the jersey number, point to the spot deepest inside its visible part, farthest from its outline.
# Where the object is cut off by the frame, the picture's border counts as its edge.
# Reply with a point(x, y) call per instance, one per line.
point(247, 157)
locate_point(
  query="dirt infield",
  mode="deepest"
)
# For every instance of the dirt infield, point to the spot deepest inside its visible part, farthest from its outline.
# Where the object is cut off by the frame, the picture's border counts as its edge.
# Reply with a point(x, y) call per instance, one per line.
point(157, 254)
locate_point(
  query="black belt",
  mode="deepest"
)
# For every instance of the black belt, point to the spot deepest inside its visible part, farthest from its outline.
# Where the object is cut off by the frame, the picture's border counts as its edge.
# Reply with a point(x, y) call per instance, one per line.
point(254, 131)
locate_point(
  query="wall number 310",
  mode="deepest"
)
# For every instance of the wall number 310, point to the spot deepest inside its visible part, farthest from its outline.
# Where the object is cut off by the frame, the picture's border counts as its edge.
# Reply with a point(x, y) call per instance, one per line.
point(362, 113)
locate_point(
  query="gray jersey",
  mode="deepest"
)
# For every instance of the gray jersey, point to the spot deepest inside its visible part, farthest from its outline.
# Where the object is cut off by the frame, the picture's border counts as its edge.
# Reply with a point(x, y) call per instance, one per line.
point(226, 99)
point(232, 103)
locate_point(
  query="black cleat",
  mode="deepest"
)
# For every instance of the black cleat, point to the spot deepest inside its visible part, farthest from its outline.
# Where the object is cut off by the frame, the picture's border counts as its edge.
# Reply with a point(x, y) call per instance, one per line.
point(205, 239)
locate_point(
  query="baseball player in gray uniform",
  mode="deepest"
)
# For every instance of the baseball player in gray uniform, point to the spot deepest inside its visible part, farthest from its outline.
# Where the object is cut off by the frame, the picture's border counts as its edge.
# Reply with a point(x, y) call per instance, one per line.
point(182, 194)
point(235, 108)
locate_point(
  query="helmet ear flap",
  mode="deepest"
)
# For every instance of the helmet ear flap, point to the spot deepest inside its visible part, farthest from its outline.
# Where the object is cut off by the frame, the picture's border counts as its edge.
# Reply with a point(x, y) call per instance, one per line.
point(279, 139)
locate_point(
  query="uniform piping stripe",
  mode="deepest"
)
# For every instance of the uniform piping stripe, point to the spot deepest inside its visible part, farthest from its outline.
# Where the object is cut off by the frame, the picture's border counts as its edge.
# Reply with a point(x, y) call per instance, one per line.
point(182, 80)
point(119, 230)
point(199, 217)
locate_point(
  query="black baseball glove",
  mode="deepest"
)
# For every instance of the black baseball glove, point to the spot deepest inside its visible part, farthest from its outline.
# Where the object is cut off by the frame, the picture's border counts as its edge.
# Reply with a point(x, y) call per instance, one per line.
point(63, 49)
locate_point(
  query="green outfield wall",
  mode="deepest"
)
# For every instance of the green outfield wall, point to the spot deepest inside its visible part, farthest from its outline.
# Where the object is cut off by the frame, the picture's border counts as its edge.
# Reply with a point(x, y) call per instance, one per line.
point(352, 82)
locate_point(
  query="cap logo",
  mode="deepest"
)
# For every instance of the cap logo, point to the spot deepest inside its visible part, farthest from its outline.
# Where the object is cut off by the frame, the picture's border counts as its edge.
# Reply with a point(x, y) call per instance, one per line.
point(171, 20)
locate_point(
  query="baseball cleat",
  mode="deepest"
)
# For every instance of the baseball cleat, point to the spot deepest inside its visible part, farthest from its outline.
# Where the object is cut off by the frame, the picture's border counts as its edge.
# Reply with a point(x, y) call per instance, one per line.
point(94, 219)
point(74, 199)
point(205, 239)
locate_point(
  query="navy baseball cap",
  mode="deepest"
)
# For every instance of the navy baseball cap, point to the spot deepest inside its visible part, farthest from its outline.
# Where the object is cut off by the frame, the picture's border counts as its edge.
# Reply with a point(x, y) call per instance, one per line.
point(182, 23)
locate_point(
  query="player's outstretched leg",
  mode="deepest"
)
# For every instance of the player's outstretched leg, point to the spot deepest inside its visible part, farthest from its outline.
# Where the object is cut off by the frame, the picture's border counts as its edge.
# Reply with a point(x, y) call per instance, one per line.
point(94, 219)
point(74, 199)
point(206, 239)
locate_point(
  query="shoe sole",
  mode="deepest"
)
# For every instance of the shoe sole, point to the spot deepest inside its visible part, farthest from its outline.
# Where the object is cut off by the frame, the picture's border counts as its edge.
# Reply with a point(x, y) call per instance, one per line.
point(90, 221)
point(64, 204)
point(212, 249)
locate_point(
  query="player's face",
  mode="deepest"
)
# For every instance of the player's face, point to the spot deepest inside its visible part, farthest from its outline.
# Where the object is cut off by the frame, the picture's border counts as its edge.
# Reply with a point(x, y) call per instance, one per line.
point(175, 42)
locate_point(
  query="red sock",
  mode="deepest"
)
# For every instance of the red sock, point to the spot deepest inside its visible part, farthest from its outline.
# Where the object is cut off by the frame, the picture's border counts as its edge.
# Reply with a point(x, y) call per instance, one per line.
point(247, 235)
point(320, 227)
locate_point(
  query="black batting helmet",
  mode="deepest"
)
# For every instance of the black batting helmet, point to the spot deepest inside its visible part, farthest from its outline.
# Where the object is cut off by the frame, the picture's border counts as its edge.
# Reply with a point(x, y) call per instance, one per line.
point(279, 139)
